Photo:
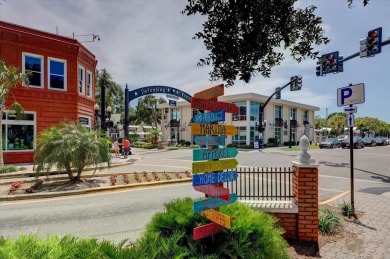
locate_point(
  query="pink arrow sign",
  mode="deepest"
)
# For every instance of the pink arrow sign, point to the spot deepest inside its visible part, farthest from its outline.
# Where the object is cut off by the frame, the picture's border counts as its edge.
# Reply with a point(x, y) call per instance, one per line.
point(215, 191)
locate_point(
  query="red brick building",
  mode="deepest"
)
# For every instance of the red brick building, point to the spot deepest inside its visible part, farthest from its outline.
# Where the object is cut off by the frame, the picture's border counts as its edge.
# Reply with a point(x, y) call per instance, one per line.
point(61, 87)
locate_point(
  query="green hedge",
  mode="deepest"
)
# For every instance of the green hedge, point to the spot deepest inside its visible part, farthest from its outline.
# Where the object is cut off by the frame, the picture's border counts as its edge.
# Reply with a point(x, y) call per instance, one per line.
point(143, 145)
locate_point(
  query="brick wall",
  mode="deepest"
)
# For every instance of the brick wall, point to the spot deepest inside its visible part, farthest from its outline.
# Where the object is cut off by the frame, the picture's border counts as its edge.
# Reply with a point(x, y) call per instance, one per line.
point(287, 221)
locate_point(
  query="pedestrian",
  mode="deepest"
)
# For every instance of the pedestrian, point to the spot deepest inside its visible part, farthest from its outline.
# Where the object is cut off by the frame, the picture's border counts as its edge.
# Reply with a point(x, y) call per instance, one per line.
point(126, 147)
point(116, 148)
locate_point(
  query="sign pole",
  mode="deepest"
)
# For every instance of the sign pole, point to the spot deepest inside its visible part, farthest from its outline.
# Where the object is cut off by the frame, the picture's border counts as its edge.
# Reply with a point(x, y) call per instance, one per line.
point(351, 156)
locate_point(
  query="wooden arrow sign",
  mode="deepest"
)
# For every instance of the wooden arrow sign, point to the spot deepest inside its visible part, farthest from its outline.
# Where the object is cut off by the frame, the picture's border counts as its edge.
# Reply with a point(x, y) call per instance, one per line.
point(210, 140)
point(207, 230)
point(209, 117)
point(212, 154)
point(212, 106)
point(215, 191)
point(217, 217)
point(213, 129)
point(214, 178)
point(211, 92)
point(212, 203)
point(211, 166)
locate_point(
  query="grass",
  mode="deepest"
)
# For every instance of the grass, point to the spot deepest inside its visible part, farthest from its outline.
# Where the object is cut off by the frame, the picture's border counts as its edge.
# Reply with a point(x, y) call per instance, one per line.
point(328, 221)
point(297, 148)
point(347, 209)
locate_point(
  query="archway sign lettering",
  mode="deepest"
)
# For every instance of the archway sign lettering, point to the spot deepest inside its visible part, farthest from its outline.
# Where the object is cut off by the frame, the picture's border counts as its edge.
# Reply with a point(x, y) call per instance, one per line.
point(153, 89)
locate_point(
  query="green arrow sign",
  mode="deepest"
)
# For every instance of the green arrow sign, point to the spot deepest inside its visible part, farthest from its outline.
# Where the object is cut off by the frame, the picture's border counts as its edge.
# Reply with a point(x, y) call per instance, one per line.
point(212, 154)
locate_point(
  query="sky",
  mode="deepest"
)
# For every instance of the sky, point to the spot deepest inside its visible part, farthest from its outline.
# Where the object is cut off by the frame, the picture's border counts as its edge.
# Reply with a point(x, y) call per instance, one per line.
point(149, 42)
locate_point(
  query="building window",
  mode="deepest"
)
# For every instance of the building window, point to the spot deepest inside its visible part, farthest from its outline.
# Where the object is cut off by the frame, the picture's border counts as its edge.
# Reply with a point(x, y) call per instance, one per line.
point(57, 74)
point(240, 138)
point(81, 78)
point(293, 114)
point(89, 84)
point(255, 111)
point(18, 134)
point(305, 116)
point(241, 114)
point(278, 134)
point(33, 64)
point(278, 112)
point(175, 115)
point(254, 135)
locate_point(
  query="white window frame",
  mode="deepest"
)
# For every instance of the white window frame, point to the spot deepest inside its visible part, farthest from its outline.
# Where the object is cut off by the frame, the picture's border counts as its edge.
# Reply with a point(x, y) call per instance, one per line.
point(65, 73)
point(22, 123)
point(89, 83)
point(81, 81)
point(24, 54)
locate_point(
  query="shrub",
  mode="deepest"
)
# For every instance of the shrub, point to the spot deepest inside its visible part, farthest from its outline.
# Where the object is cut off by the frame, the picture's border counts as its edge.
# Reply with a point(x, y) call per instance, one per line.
point(347, 209)
point(287, 143)
point(273, 140)
point(15, 186)
point(170, 235)
point(113, 179)
point(172, 148)
point(232, 145)
point(270, 145)
point(247, 146)
point(8, 169)
point(328, 221)
point(194, 146)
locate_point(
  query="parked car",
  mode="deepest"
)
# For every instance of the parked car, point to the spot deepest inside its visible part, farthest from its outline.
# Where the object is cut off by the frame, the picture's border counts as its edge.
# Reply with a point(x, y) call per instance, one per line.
point(380, 141)
point(387, 141)
point(341, 138)
point(330, 143)
point(357, 143)
point(369, 142)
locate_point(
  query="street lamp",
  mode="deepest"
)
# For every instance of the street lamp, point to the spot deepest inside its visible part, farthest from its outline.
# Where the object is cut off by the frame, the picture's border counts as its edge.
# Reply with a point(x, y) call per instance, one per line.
point(103, 117)
point(261, 128)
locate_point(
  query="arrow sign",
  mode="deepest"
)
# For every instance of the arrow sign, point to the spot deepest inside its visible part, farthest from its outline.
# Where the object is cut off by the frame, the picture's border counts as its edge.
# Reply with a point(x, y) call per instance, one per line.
point(217, 217)
point(210, 166)
point(210, 140)
point(213, 129)
point(211, 92)
point(212, 154)
point(213, 106)
point(214, 178)
point(212, 203)
point(209, 117)
point(212, 190)
point(207, 230)
point(350, 120)
point(350, 109)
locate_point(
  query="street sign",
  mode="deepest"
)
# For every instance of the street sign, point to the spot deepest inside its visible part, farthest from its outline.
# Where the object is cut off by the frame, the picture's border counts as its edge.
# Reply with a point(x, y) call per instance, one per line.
point(213, 106)
point(212, 154)
point(213, 129)
point(212, 203)
point(350, 109)
point(217, 217)
point(207, 230)
point(210, 140)
point(213, 190)
point(350, 120)
point(172, 103)
point(352, 94)
point(211, 166)
point(213, 178)
point(211, 92)
point(209, 117)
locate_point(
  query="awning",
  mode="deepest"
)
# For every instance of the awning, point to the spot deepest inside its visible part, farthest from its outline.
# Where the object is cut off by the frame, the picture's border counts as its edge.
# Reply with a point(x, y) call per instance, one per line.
point(308, 124)
point(174, 124)
point(279, 122)
point(294, 123)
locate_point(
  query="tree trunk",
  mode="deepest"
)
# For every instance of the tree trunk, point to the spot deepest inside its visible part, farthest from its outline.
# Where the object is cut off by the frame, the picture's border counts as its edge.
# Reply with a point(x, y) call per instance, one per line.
point(70, 173)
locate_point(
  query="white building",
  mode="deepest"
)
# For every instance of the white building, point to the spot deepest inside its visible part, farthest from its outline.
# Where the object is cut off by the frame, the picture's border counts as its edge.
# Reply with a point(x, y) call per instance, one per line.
point(176, 120)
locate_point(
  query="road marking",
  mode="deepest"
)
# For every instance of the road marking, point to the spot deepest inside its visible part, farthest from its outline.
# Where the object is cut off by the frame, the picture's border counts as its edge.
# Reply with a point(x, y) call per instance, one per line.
point(334, 198)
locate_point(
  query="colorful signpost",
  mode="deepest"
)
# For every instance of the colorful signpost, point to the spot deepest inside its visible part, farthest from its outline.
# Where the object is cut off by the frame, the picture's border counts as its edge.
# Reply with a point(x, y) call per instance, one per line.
point(214, 178)
point(213, 159)
point(213, 106)
point(210, 140)
point(213, 129)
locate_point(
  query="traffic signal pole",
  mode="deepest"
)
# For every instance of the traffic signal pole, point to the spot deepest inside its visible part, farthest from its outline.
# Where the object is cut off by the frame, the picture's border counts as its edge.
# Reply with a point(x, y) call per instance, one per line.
point(357, 54)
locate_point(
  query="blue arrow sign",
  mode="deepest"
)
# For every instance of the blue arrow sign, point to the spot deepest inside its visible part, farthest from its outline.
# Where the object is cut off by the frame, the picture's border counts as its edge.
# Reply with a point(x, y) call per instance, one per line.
point(213, 178)
point(212, 203)
point(209, 117)
point(212, 154)
point(210, 140)
point(350, 120)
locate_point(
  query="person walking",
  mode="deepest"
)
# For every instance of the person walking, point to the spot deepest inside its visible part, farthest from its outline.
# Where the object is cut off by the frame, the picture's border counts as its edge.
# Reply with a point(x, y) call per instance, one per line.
point(126, 147)
point(116, 148)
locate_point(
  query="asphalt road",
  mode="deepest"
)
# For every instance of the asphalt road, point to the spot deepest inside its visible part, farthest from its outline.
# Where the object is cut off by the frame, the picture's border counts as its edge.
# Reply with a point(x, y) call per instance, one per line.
point(124, 214)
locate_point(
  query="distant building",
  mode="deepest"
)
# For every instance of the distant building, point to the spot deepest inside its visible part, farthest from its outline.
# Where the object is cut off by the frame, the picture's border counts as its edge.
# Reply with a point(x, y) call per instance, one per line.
point(175, 120)
point(62, 86)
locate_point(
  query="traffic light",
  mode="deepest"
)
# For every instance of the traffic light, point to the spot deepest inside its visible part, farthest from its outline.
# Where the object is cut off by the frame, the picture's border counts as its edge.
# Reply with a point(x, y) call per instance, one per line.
point(295, 83)
point(374, 42)
point(363, 48)
point(341, 64)
point(330, 63)
point(285, 124)
point(278, 94)
point(319, 68)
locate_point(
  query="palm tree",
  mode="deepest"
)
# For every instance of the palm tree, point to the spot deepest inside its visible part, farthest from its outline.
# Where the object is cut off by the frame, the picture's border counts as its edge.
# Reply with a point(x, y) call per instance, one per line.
point(9, 78)
point(338, 122)
point(71, 145)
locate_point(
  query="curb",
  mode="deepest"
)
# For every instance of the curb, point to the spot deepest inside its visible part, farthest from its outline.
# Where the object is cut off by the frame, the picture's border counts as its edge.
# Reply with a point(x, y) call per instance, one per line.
point(86, 191)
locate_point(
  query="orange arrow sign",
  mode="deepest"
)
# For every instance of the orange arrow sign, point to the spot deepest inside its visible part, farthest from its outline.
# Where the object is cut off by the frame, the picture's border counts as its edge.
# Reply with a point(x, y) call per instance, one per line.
point(213, 129)
point(217, 217)
point(211, 92)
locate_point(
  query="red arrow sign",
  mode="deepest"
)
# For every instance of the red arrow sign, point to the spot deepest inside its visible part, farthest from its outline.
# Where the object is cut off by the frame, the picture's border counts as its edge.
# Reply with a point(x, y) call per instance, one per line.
point(213, 106)
point(215, 191)
point(207, 230)
point(211, 92)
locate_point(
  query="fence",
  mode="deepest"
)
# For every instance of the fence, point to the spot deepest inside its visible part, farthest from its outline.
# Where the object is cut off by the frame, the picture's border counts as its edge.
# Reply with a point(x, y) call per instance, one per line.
point(255, 183)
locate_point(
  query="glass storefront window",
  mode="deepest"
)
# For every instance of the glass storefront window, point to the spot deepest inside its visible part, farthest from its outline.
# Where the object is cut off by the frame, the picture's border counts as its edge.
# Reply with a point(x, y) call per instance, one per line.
point(18, 134)
point(241, 114)
point(240, 138)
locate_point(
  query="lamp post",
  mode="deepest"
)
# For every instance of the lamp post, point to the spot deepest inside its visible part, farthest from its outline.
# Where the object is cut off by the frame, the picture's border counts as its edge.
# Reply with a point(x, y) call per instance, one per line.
point(102, 115)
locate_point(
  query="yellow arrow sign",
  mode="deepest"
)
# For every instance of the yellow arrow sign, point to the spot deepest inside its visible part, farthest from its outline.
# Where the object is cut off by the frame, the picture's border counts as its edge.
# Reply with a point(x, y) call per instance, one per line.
point(211, 166)
point(213, 129)
point(217, 217)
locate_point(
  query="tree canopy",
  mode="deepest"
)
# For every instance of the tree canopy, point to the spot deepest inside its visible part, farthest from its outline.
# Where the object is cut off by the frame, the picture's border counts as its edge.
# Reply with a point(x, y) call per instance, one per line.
point(147, 112)
point(114, 92)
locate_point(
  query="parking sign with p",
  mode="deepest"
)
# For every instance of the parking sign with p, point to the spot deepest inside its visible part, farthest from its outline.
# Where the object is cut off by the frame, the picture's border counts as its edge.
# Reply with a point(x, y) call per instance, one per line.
point(349, 95)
